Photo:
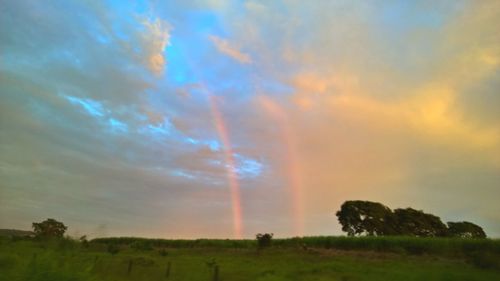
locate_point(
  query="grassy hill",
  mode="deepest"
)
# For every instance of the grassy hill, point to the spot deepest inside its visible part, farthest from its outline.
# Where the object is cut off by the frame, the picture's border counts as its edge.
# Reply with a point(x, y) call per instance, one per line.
point(310, 258)
point(15, 232)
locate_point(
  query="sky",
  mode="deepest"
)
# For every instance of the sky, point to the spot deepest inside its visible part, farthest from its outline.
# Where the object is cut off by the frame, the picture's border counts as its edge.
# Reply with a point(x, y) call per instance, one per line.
point(223, 119)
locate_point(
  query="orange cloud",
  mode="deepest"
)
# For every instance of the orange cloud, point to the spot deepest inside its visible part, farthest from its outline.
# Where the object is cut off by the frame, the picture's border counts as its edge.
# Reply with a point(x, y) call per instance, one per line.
point(155, 40)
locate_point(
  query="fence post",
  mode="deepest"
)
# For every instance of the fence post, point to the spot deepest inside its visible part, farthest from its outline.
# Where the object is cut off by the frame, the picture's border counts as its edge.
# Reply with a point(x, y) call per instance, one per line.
point(216, 273)
point(167, 272)
point(33, 260)
point(94, 265)
point(129, 267)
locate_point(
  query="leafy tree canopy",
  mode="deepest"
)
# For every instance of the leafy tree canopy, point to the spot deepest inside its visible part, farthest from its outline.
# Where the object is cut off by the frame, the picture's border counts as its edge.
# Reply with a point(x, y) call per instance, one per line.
point(465, 229)
point(365, 217)
point(417, 223)
point(264, 240)
point(372, 218)
point(49, 228)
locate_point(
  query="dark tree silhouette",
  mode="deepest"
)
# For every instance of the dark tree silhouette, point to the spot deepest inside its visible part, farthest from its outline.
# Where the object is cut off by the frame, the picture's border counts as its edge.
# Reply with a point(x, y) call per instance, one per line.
point(49, 228)
point(465, 229)
point(365, 217)
point(417, 223)
point(264, 240)
point(372, 218)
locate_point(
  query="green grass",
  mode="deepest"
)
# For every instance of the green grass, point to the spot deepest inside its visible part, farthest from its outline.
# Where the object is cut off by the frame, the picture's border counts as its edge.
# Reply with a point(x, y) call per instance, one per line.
point(322, 258)
point(445, 247)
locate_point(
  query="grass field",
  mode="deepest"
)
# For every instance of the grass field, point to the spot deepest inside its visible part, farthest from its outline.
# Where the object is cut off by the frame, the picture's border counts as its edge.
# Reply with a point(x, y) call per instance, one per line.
point(314, 258)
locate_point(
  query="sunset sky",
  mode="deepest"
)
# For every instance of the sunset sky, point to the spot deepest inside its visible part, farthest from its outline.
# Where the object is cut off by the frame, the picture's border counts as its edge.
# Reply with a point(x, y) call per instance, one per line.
point(223, 119)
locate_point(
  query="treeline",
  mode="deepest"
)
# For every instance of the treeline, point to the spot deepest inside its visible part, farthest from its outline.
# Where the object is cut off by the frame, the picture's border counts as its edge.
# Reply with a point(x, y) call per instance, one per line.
point(375, 219)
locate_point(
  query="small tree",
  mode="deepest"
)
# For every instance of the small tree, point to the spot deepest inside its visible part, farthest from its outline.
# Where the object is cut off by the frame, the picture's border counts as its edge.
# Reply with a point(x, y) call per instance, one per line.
point(49, 228)
point(84, 241)
point(264, 240)
point(465, 229)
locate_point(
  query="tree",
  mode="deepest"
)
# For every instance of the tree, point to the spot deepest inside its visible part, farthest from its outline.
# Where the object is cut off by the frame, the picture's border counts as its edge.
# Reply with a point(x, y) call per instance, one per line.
point(465, 229)
point(49, 228)
point(84, 241)
point(372, 218)
point(417, 223)
point(365, 217)
point(264, 240)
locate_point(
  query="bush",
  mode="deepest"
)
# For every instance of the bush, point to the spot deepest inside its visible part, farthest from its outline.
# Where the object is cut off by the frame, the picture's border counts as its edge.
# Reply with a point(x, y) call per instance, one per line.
point(113, 249)
point(264, 240)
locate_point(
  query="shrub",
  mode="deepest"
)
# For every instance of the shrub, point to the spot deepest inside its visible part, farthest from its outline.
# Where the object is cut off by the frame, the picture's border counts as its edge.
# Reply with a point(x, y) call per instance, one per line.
point(113, 249)
point(264, 240)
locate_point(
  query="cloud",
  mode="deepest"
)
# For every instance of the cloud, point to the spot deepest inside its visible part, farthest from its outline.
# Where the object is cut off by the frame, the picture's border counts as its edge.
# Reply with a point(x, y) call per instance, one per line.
point(105, 119)
point(155, 40)
point(224, 47)
point(82, 123)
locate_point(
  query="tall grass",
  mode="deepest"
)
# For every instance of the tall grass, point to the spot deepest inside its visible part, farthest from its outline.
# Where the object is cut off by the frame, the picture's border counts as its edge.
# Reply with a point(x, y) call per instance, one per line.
point(41, 261)
point(447, 247)
point(156, 259)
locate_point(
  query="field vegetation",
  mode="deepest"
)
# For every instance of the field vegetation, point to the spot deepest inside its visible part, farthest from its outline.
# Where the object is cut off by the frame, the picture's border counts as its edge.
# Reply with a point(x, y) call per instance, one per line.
point(309, 258)
point(404, 244)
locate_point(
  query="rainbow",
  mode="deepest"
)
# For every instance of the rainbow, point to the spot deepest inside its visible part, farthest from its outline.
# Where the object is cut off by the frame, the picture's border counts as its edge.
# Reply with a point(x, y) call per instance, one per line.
point(232, 178)
point(288, 137)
